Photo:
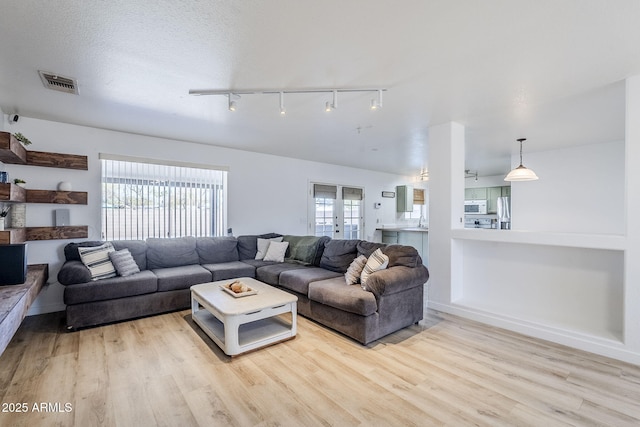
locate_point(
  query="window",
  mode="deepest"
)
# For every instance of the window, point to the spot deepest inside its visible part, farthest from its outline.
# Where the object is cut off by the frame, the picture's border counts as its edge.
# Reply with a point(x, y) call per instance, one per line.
point(144, 198)
point(338, 211)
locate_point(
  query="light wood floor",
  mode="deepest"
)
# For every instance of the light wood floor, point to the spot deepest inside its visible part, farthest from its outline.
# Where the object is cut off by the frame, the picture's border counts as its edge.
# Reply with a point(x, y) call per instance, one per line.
point(445, 371)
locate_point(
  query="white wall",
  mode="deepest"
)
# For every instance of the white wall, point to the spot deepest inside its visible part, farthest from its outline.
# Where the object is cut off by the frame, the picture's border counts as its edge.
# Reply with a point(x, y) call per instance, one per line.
point(266, 193)
point(580, 190)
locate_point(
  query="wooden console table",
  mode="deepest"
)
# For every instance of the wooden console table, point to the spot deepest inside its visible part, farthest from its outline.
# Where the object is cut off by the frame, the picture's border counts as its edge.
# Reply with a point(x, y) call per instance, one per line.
point(15, 301)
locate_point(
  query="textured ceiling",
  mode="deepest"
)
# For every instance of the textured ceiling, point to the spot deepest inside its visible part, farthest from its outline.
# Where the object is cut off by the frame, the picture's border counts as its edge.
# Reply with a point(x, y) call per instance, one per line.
point(546, 70)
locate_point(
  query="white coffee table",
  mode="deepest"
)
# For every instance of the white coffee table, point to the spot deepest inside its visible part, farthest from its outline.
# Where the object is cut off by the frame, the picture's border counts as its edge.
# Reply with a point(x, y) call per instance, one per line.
point(241, 324)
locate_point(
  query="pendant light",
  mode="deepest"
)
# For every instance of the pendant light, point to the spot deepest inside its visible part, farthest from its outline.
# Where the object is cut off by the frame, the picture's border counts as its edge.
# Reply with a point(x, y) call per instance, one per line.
point(521, 173)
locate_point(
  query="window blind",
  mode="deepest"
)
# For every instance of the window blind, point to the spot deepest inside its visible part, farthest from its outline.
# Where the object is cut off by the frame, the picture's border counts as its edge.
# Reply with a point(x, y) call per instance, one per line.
point(142, 199)
point(325, 191)
point(350, 193)
point(418, 196)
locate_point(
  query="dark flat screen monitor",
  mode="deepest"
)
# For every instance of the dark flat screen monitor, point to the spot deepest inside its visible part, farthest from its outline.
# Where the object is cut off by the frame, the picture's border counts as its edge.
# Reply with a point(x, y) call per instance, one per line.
point(13, 264)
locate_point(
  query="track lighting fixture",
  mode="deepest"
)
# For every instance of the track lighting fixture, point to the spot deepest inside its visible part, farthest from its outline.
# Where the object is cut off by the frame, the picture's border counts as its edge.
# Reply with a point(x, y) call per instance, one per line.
point(232, 104)
point(521, 173)
point(328, 107)
point(282, 109)
point(376, 104)
point(468, 173)
point(233, 94)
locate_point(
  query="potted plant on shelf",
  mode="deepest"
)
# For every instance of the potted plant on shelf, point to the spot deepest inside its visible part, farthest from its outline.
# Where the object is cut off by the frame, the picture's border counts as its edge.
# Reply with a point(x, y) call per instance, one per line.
point(23, 139)
point(20, 182)
point(4, 211)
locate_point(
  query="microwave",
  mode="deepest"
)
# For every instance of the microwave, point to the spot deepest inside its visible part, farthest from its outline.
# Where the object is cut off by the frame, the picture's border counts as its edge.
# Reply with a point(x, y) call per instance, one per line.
point(475, 207)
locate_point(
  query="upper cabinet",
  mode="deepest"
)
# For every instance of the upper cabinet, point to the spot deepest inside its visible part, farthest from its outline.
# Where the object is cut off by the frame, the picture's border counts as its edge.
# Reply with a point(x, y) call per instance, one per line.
point(475, 193)
point(404, 198)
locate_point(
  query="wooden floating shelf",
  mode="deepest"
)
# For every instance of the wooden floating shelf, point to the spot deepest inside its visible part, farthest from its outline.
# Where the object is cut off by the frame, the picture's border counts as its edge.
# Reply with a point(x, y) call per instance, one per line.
point(15, 193)
point(57, 160)
point(61, 197)
point(12, 193)
point(13, 152)
point(13, 235)
point(57, 233)
point(20, 235)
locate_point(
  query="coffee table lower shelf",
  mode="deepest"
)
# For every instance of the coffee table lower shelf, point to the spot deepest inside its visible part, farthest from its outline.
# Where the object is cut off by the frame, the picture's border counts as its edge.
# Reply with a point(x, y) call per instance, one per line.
point(256, 334)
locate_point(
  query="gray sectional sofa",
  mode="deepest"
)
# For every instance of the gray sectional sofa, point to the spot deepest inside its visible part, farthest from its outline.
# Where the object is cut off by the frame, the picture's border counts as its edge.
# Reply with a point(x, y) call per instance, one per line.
point(313, 270)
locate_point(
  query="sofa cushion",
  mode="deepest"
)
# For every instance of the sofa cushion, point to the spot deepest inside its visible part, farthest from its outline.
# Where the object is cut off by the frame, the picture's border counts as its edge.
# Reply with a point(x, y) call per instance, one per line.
point(230, 270)
point(298, 279)
point(306, 250)
point(138, 249)
point(124, 262)
point(276, 251)
point(213, 250)
point(263, 246)
point(338, 255)
point(406, 256)
point(270, 274)
point(352, 276)
point(367, 248)
point(163, 253)
point(141, 283)
point(71, 250)
point(73, 272)
point(248, 245)
point(97, 260)
point(257, 263)
point(335, 293)
point(181, 277)
point(376, 262)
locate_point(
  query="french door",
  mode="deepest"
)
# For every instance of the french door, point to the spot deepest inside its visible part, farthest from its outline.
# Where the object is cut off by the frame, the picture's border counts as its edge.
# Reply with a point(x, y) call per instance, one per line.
point(337, 211)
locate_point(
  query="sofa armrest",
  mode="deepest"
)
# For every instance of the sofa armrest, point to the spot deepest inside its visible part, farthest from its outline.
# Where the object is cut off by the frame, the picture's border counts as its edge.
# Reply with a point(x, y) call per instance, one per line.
point(73, 272)
point(396, 279)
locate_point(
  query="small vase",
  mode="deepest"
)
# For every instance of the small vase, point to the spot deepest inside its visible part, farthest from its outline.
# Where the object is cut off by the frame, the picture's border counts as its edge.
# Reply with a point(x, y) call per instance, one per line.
point(2, 224)
point(64, 186)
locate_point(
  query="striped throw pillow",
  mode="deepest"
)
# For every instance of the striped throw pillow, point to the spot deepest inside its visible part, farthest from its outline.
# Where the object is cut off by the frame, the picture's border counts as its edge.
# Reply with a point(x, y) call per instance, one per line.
point(97, 260)
point(352, 276)
point(124, 263)
point(377, 261)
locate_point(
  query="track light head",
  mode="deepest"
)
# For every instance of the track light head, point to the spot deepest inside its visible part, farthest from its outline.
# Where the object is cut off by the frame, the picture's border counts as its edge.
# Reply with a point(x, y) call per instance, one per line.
point(328, 107)
point(232, 104)
point(377, 103)
point(283, 111)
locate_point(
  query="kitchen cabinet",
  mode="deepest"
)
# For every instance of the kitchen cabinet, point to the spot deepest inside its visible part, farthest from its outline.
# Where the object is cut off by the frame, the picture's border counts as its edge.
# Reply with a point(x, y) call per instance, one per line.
point(390, 237)
point(479, 193)
point(492, 199)
point(404, 198)
point(417, 239)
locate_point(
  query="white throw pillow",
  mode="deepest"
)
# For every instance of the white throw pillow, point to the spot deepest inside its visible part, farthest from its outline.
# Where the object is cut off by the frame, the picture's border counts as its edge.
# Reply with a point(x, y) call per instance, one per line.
point(377, 261)
point(263, 246)
point(352, 276)
point(276, 251)
point(96, 258)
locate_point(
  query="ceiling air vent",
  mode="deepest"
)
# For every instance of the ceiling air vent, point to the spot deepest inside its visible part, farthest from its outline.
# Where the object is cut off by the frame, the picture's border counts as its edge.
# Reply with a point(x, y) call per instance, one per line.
point(59, 83)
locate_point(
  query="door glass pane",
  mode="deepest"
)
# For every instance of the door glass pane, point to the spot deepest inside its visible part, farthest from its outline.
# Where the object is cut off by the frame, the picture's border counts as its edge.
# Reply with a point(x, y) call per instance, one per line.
point(324, 216)
point(352, 218)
